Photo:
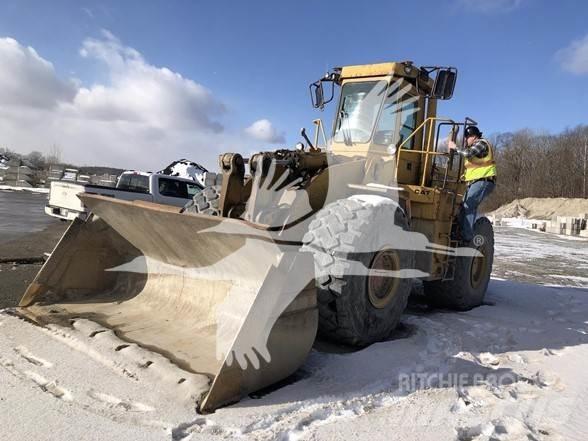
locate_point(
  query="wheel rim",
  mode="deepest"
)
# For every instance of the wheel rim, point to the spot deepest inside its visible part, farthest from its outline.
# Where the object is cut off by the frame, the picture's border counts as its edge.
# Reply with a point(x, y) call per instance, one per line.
point(478, 268)
point(381, 288)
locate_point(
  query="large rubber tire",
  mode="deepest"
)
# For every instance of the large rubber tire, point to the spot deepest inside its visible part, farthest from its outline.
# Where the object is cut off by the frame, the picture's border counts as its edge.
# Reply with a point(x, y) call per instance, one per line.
point(347, 311)
point(205, 202)
point(471, 277)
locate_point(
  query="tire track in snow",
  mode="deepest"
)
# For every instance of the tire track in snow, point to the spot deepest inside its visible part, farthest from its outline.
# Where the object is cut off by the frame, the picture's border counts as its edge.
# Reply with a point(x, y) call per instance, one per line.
point(116, 403)
point(25, 365)
point(294, 422)
point(24, 353)
point(130, 360)
point(51, 387)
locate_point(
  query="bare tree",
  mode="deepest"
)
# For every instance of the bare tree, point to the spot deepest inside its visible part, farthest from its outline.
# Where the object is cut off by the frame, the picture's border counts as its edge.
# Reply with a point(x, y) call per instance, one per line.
point(36, 159)
point(53, 155)
point(534, 164)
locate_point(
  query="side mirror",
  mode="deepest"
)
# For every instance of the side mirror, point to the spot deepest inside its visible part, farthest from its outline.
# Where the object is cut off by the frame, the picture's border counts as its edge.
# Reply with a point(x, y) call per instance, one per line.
point(317, 95)
point(445, 83)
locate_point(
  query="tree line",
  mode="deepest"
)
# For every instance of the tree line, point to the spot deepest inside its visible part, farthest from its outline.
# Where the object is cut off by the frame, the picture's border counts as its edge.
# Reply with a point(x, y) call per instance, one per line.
point(36, 159)
point(532, 164)
point(41, 162)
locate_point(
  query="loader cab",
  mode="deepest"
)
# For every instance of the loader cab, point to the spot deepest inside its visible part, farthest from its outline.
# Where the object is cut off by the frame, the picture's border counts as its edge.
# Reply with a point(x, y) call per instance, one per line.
point(376, 113)
point(375, 116)
point(381, 110)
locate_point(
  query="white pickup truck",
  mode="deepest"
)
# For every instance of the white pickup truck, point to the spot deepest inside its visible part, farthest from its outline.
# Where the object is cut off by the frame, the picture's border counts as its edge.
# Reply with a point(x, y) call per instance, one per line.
point(131, 185)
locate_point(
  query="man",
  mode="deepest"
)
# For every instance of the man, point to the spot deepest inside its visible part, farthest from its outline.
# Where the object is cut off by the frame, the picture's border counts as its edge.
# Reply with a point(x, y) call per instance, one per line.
point(480, 175)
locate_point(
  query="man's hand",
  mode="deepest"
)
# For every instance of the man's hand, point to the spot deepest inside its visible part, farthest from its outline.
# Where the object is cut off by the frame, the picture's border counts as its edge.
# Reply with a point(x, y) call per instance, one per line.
point(451, 145)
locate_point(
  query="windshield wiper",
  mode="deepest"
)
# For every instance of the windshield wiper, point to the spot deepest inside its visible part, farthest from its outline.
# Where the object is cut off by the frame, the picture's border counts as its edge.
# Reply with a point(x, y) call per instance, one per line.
point(344, 117)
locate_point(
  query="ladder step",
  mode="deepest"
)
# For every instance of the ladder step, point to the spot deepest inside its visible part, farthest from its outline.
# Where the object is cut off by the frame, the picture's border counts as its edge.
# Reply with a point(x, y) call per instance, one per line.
point(451, 259)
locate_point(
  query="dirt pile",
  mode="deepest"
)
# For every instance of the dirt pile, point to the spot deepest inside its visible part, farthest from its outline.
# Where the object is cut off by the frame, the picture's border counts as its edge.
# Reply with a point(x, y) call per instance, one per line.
point(542, 208)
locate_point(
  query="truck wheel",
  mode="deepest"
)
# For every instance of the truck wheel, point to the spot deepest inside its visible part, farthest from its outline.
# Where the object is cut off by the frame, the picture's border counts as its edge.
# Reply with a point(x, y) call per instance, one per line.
point(471, 277)
point(205, 202)
point(357, 308)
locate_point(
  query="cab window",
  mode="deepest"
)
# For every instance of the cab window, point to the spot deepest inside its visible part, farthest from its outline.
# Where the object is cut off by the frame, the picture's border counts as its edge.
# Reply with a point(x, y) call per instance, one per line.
point(177, 189)
point(193, 189)
point(134, 182)
point(359, 108)
point(172, 188)
point(408, 116)
point(386, 132)
point(398, 118)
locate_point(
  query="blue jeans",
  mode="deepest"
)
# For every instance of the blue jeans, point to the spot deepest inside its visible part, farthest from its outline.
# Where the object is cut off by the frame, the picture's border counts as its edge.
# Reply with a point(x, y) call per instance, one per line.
point(473, 197)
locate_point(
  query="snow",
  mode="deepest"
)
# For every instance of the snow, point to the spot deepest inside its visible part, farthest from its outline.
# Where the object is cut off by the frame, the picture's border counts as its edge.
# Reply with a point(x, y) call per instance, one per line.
point(519, 222)
point(545, 259)
point(31, 189)
point(512, 369)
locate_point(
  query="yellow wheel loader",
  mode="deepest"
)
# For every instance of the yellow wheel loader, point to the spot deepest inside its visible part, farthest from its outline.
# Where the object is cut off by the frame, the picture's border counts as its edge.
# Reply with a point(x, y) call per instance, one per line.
point(326, 237)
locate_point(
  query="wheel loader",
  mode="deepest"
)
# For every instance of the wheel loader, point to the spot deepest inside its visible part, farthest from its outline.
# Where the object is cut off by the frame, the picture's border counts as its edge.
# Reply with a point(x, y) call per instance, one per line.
point(325, 239)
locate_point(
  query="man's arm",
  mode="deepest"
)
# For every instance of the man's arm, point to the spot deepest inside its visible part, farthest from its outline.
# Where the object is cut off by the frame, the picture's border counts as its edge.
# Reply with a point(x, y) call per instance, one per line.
point(479, 150)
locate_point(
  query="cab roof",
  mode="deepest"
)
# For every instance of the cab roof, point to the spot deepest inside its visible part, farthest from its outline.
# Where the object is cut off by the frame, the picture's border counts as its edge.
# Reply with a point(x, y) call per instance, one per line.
point(404, 68)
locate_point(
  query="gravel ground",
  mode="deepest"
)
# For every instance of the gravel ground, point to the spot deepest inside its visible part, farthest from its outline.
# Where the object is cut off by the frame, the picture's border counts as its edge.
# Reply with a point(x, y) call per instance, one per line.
point(26, 233)
point(22, 213)
point(16, 276)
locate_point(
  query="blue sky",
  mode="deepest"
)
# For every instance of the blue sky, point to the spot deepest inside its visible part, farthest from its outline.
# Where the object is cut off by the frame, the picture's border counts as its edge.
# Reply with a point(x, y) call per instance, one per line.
point(256, 58)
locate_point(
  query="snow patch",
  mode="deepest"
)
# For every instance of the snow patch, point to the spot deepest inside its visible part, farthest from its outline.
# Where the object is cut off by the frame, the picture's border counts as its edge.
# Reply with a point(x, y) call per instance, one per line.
point(29, 189)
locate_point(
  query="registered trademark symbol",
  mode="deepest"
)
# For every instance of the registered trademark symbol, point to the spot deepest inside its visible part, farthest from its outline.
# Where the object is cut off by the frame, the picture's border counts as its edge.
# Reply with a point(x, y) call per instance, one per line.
point(478, 240)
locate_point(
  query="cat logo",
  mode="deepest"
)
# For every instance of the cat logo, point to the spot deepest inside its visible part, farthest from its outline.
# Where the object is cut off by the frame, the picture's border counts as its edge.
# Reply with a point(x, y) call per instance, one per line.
point(422, 191)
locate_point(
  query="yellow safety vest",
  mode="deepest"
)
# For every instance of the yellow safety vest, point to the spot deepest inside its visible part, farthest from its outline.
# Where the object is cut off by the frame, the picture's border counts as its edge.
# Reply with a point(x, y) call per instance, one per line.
point(478, 168)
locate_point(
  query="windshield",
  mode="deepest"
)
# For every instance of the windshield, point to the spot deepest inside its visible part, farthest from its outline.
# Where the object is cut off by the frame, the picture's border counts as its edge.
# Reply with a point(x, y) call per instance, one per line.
point(360, 103)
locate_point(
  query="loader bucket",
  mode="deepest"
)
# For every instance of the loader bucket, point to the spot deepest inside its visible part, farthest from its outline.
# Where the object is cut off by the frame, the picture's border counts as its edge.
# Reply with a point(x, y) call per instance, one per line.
point(217, 296)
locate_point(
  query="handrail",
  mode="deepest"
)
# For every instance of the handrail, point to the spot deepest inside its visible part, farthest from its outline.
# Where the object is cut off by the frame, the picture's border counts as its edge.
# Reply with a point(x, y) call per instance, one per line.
point(319, 130)
point(420, 126)
point(432, 121)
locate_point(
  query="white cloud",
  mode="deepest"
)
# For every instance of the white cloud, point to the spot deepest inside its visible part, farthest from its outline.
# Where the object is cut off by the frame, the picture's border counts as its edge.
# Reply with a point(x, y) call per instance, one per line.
point(144, 116)
point(140, 92)
point(263, 130)
point(574, 57)
point(490, 6)
point(27, 80)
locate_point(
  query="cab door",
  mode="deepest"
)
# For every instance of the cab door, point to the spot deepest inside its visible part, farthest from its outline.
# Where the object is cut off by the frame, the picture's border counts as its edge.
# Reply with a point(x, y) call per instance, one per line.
point(401, 114)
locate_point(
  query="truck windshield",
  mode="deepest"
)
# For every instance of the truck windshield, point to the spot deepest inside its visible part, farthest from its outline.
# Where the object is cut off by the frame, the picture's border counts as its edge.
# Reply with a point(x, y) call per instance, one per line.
point(358, 111)
point(134, 182)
